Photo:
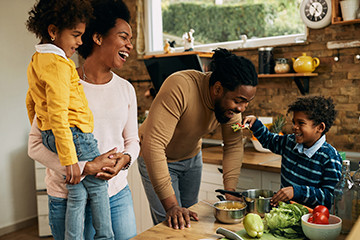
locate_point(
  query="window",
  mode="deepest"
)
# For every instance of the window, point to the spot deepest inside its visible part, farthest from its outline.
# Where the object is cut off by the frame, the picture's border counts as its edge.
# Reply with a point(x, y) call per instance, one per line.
point(229, 24)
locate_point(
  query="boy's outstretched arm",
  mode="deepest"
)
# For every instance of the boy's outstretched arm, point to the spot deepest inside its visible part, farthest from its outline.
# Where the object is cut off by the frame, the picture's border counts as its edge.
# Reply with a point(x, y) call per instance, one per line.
point(250, 120)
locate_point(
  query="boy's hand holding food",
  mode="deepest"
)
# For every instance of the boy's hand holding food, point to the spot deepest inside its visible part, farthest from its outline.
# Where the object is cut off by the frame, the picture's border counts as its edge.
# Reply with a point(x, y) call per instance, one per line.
point(249, 120)
point(283, 195)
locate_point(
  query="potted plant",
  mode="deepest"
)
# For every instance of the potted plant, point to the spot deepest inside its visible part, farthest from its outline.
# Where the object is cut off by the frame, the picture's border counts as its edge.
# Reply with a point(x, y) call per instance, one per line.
point(275, 127)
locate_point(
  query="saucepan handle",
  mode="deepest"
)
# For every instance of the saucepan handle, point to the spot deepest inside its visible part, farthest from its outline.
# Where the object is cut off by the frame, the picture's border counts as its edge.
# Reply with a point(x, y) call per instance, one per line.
point(221, 197)
point(236, 194)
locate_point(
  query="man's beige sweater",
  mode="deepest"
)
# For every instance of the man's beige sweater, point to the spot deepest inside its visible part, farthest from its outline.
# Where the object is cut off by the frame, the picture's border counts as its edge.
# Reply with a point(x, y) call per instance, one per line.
point(180, 115)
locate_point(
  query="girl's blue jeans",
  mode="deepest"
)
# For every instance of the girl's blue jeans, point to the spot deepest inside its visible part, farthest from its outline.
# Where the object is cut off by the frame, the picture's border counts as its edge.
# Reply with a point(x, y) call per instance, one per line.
point(122, 217)
point(90, 187)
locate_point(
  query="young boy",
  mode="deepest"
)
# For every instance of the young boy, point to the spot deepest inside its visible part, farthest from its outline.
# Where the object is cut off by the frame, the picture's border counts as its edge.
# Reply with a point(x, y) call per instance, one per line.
point(310, 167)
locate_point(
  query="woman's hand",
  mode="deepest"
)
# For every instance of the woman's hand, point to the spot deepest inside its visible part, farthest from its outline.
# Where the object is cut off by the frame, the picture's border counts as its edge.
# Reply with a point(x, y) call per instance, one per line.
point(105, 166)
point(250, 120)
point(284, 194)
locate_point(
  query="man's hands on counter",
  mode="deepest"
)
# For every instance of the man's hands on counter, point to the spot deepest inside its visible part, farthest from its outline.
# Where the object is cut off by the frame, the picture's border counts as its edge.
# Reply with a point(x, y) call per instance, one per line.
point(107, 165)
point(177, 217)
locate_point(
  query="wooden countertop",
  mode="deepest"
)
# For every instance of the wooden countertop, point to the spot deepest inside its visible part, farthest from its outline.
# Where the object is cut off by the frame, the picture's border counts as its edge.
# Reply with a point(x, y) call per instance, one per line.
point(203, 229)
point(252, 159)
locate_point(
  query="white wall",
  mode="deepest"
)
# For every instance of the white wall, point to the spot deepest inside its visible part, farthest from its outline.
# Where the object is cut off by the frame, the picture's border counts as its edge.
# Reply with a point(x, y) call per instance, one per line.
point(17, 184)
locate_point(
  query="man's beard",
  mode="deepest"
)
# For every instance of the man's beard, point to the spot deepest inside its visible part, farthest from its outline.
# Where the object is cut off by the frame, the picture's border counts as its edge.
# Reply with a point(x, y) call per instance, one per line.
point(220, 113)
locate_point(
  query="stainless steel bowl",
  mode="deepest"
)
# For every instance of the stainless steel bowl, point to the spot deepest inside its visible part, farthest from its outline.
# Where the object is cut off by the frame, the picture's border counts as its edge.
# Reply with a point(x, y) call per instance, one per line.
point(258, 201)
point(234, 215)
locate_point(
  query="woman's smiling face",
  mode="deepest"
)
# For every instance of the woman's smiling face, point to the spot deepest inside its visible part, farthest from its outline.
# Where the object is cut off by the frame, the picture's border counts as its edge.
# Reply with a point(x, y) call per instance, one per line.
point(116, 45)
point(304, 129)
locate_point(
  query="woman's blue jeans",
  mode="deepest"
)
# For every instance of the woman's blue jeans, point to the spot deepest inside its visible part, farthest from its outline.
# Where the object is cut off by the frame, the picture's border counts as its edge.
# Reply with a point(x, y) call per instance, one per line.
point(122, 217)
point(90, 187)
point(185, 178)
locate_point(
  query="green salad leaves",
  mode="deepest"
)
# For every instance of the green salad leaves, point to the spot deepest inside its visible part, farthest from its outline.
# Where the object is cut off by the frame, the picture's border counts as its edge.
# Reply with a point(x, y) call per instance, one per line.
point(285, 220)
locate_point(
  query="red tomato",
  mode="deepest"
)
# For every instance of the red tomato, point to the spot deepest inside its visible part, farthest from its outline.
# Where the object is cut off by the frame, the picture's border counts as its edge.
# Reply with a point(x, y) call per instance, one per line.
point(320, 218)
point(311, 219)
point(322, 209)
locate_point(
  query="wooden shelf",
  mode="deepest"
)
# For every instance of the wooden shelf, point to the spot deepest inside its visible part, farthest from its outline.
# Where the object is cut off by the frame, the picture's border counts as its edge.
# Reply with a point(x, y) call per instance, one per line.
point(336, 17)
point(287, 75)
point(201, 54)
point(347, 22)
point(301, 79)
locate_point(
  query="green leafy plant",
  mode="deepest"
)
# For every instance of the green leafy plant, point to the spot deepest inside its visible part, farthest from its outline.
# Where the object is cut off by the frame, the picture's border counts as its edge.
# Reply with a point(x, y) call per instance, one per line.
point(278, 124)
point(141, 118)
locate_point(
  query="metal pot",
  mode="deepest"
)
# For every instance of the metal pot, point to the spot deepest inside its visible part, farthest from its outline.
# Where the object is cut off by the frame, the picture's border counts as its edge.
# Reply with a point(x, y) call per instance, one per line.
point(257, 200)
point(229, 216)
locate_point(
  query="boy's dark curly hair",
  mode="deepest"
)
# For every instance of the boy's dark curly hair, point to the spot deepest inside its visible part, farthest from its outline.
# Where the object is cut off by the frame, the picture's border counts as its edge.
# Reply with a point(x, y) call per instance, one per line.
point(106, 12)
point(232, 70)
point(318, 109)
point(64, 14)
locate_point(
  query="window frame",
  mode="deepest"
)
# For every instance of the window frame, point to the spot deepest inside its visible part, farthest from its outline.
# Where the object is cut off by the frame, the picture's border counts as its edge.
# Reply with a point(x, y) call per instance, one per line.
point(154, 36)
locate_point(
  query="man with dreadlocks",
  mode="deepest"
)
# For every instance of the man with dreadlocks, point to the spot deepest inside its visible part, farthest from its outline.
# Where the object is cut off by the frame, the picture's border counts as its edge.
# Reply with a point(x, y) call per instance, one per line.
point(189, 105)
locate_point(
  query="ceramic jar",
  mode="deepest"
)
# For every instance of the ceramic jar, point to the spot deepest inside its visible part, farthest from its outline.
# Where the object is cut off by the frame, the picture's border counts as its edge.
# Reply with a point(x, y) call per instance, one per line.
point(281, 65)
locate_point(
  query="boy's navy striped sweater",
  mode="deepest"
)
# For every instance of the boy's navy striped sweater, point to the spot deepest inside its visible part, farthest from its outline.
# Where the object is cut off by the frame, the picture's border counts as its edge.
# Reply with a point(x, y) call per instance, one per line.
point(312, 177)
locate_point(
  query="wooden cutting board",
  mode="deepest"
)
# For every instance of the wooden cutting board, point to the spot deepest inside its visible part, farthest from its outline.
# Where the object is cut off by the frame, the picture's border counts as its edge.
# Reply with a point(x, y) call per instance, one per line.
point(266, 236)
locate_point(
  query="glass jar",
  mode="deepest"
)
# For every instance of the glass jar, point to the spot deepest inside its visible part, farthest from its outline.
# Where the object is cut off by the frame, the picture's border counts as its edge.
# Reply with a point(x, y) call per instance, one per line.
point(266, 60)
point(282, 65)
point(356, 180)
point(357, 13)
point(345, 199)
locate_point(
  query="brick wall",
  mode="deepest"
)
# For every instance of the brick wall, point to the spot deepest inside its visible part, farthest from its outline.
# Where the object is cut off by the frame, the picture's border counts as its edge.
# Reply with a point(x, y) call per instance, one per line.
point(340, 80)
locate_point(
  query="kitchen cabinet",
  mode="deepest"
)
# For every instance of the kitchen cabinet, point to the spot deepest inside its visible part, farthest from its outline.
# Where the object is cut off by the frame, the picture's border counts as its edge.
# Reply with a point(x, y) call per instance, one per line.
point(336, 17)
point(211, 180)
point(140, 202)
point(301, 79)
point(270, 181)
point(42, 201)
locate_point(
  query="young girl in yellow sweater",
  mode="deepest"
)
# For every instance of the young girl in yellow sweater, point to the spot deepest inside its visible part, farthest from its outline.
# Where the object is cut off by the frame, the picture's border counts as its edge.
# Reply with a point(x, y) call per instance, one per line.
point(58, 101)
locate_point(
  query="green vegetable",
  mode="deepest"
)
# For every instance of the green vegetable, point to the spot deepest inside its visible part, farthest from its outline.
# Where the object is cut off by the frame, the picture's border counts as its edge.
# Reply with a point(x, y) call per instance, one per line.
point(285, 221)
point(253, 225)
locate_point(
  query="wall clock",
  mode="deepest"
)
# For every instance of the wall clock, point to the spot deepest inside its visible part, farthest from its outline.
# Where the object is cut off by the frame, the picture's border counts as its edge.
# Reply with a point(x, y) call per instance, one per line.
point(316, 13)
